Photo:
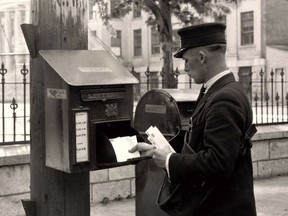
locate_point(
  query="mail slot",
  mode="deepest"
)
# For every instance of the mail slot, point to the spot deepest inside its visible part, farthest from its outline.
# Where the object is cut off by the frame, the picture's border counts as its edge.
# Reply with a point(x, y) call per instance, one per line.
point(88, 101)
point(170, 110)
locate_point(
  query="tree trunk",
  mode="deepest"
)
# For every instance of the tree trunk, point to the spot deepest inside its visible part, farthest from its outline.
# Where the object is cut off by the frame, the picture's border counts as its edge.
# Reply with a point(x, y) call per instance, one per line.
point(162, 13)
point(165, 30)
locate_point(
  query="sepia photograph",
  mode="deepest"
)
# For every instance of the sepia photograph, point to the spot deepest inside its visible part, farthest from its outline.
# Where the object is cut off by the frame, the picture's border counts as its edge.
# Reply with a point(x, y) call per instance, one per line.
point(143, 108)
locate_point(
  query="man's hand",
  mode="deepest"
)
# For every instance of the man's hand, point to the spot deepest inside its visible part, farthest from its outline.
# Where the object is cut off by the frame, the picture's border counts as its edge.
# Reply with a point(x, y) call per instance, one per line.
point(158, 155)
point(146, 150)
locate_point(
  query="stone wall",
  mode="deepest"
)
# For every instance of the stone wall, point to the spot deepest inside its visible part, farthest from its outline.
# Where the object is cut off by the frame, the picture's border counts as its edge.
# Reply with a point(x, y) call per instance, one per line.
point(269, 153)
point(115, 183)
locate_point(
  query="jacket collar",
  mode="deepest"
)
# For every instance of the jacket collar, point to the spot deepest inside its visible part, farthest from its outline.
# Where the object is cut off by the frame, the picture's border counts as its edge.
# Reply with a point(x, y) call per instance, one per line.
point(214, 88)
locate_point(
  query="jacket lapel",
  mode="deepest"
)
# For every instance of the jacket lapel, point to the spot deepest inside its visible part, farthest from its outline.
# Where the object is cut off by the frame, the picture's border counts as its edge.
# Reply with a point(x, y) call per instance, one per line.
point(214, 88)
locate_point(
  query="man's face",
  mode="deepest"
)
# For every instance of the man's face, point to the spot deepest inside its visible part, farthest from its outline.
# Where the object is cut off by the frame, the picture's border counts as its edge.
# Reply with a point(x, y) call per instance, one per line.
point(193, 65)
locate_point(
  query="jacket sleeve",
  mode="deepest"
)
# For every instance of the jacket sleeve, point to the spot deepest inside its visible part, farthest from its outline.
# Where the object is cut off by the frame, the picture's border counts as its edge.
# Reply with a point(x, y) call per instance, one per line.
point(222, 126)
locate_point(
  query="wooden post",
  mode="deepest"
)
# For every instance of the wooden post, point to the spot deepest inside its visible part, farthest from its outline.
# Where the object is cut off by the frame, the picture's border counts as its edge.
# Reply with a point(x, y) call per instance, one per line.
point(59, 24)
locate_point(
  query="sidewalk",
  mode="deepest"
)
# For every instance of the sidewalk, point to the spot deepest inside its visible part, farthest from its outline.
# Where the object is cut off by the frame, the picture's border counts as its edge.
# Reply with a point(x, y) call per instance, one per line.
point(272, 196)
point(271, 199)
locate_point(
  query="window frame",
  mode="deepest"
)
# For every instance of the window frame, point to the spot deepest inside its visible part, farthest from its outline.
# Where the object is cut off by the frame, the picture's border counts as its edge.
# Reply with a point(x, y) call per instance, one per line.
point(137, 35)
point(247, 35)
point(155, 42)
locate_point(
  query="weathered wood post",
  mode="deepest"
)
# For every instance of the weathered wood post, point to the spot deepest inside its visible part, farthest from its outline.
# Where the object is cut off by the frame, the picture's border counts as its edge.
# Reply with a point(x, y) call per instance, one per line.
point(56, 24)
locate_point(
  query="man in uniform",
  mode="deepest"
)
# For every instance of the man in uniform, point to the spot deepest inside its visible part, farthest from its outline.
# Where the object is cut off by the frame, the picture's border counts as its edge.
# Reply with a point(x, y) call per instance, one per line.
point(219, 135)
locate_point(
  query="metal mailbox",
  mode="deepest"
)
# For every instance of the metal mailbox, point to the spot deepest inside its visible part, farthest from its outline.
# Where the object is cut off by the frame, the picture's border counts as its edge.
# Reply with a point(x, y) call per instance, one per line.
point(170, 110)
point(89, 99)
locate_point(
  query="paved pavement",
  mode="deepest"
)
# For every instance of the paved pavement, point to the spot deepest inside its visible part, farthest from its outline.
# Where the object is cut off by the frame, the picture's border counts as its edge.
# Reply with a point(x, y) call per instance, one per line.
point(271, 200)
point(272, 196)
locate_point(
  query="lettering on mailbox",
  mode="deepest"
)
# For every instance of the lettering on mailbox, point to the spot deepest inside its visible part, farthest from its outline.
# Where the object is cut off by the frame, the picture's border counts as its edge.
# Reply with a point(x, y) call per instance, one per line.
point(102, 96)
point(81, 130)
point(152, 108)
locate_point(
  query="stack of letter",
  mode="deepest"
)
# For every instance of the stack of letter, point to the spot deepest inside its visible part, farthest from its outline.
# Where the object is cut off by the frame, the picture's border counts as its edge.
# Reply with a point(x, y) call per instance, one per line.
point(157, 139)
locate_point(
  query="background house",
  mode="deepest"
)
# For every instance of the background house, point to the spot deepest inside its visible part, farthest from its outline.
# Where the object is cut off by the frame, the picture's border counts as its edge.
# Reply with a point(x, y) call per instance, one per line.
point(256, 35)
point(254, 27)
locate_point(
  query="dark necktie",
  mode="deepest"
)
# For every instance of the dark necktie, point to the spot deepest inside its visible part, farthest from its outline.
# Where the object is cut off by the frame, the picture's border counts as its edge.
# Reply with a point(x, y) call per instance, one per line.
point(201, 94)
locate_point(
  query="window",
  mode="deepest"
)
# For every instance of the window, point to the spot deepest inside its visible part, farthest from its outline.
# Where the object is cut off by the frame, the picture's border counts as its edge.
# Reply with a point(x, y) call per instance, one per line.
point(137, 42)
point(114, 4)
point(176, 41)
point(136, 10)
point(116, 43)
point(247, 28)
point(155, 42)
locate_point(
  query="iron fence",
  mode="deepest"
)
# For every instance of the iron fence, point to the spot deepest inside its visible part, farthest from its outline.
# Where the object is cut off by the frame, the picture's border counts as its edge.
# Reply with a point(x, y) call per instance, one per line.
point(270, 98)
point(267, 92)
point(14, 115)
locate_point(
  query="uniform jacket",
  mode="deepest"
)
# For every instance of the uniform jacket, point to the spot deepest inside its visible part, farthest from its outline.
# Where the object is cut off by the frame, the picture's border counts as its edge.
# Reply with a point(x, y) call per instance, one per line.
point(220, 120)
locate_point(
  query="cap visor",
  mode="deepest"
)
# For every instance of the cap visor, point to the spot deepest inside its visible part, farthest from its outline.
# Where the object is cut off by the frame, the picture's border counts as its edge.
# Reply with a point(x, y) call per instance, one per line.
point(180, 52)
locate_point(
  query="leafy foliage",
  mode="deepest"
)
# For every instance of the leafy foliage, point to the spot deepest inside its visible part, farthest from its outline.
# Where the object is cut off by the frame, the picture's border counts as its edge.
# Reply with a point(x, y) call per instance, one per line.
point(187, 11)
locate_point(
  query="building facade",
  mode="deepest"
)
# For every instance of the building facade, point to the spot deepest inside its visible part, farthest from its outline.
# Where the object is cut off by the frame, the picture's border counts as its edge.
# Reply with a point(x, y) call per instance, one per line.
point(256, 37)
point(255, 30)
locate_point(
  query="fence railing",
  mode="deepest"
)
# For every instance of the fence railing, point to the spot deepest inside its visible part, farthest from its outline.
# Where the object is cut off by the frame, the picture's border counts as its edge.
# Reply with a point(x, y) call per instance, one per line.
point(14, 115)
point(267, 93)
point(270, 99)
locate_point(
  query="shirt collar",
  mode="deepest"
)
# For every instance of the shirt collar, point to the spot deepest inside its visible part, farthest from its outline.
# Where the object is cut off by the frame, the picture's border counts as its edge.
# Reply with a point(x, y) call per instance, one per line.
point(210, 82)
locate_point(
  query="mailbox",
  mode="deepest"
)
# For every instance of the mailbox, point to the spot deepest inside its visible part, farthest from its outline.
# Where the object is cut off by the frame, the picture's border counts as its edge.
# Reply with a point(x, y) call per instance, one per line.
point(170, 110)
point(88, 100)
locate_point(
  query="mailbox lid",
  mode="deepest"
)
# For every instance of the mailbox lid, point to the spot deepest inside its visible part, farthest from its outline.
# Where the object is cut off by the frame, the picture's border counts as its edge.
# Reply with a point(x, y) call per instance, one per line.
point(168, 109)
point(183, 95)
point(87, 67)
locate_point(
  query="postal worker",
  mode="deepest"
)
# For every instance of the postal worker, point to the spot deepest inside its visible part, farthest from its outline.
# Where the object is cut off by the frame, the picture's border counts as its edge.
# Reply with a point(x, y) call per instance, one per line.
point(216, 158)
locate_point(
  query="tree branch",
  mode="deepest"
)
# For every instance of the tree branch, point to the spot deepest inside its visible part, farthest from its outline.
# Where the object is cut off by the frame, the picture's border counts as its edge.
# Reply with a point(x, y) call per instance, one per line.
point(162, 21)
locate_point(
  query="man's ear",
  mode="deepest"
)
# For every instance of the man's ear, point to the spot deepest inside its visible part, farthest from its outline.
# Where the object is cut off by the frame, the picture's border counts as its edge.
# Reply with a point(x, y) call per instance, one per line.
point(202, 57)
